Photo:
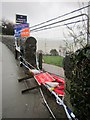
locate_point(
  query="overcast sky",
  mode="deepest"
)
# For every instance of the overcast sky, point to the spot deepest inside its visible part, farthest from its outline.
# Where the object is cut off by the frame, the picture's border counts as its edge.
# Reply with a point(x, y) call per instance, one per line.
point(38, 12)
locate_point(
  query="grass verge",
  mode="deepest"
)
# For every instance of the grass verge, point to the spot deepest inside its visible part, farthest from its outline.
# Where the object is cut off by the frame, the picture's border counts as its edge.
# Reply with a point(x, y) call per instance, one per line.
point(54, 60)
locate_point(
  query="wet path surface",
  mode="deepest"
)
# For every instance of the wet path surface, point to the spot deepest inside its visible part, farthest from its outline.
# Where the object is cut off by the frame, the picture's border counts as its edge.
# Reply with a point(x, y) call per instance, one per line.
point(14, 104)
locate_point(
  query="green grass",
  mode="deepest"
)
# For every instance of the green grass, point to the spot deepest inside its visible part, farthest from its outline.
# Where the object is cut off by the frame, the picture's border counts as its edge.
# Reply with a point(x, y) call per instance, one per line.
point(54, 60)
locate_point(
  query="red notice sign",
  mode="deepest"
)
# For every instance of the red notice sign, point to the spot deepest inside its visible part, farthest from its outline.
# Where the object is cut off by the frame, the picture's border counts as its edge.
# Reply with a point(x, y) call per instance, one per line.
point(43, 78)
point(25, 32)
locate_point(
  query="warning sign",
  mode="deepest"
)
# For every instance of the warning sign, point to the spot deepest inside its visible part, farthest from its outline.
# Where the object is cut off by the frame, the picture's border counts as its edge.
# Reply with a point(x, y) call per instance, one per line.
point(25, 32)
point(19, 28)
point(43, 78)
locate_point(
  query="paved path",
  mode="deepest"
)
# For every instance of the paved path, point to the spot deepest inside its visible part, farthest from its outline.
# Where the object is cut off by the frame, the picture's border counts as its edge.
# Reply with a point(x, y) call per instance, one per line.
point(16, 105)
point(54, 69)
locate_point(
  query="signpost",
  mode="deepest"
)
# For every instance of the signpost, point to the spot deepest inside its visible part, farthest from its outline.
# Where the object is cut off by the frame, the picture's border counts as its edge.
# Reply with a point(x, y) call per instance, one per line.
point(21, 29)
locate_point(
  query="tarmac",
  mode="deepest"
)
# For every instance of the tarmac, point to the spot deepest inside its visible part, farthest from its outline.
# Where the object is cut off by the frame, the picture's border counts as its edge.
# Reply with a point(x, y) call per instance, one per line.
point(31, 104)
point(54, 69)
point(14, 104)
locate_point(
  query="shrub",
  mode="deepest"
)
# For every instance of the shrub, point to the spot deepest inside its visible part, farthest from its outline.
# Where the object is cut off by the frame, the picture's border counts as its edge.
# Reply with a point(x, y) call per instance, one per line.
point(77, 70)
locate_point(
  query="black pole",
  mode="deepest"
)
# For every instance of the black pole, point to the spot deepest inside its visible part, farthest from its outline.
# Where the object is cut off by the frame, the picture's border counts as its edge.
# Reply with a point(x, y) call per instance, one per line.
point(40, 61)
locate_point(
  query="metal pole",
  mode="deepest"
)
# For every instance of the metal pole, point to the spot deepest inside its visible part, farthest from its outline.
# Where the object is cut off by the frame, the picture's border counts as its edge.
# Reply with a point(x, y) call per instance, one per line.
point(88, 41)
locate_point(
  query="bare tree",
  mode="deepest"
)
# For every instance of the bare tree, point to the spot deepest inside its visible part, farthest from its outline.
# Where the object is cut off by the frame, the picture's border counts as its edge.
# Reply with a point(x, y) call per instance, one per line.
point(77, 33)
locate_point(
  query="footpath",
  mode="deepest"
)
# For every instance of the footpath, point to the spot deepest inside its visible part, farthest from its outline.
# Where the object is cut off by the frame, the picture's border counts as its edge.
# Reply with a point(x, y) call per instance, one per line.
point(53, 69)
